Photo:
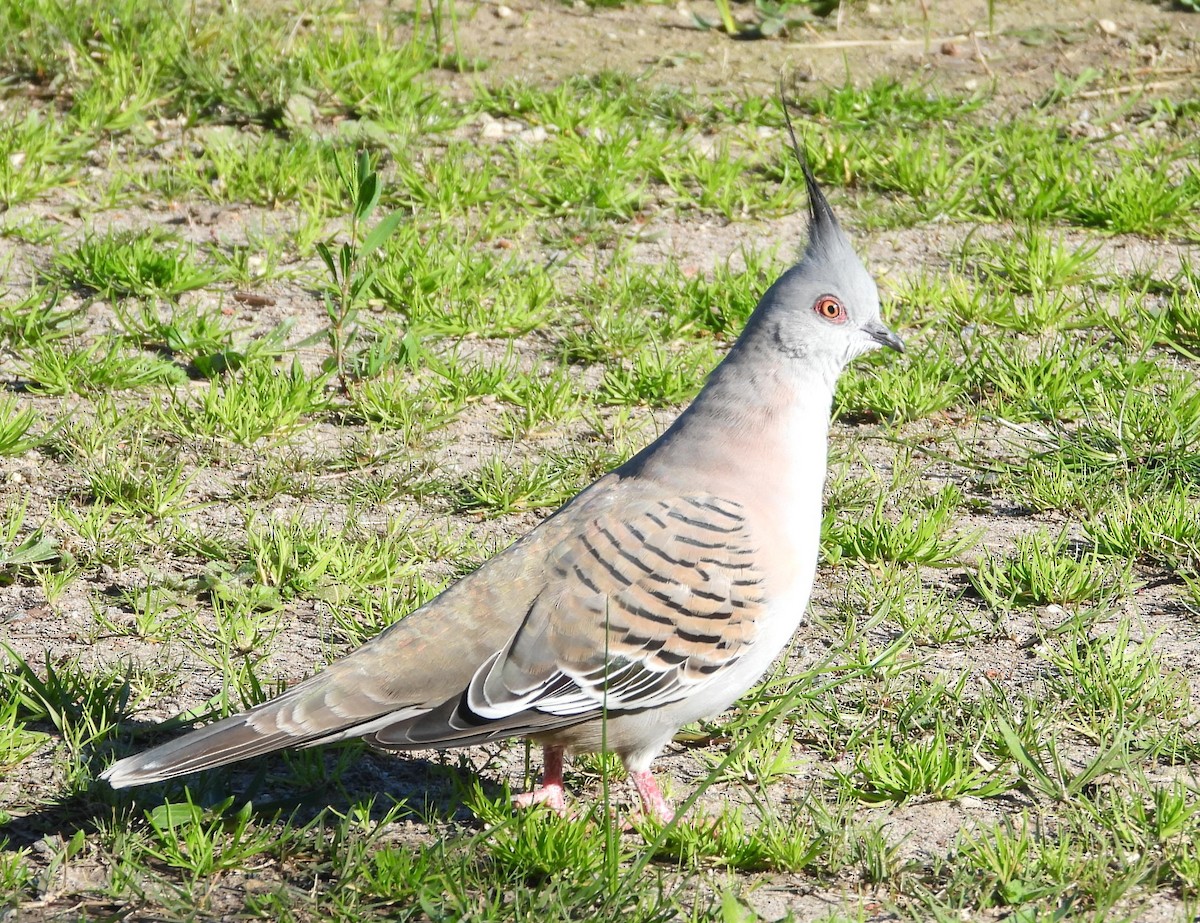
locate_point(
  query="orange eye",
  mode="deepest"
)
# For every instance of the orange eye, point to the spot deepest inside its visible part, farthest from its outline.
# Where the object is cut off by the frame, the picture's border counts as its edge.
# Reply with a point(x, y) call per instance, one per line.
point(831, 309)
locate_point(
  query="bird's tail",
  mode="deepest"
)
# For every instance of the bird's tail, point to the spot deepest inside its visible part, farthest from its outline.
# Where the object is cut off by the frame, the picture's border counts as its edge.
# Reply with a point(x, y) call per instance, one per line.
point(301, 717)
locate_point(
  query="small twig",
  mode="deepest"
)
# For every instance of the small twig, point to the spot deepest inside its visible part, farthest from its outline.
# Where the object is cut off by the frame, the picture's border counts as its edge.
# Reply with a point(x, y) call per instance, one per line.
point(873, 43)
point(1128, 88)
point(980, 56)
point(1162, 71)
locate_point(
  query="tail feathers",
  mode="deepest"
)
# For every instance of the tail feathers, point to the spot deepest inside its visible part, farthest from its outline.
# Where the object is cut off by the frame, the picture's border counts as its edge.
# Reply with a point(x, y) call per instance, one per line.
point(261, 730)
point(267, 728)
point(225, 742)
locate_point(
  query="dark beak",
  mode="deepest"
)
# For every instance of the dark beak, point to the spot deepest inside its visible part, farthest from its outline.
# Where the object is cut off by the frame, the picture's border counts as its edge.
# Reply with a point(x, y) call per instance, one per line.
point(884, 337)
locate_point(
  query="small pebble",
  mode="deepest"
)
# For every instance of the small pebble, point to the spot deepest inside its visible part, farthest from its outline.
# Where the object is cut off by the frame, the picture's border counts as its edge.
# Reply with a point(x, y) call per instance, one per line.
point(535, 135)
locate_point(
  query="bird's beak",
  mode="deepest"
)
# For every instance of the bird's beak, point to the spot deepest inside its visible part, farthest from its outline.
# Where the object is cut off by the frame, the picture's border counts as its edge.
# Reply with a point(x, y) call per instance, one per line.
point(884, 337)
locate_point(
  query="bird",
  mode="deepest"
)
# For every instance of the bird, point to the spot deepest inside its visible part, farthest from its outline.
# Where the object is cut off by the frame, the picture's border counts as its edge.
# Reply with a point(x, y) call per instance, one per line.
point(654, 598)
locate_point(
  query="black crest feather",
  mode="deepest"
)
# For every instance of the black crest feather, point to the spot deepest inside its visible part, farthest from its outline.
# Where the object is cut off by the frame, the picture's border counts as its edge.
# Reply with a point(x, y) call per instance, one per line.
point(821, 217)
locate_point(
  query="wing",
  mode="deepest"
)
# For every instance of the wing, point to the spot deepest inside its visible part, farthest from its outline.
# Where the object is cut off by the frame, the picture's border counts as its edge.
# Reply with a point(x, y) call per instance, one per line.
point(638, 609)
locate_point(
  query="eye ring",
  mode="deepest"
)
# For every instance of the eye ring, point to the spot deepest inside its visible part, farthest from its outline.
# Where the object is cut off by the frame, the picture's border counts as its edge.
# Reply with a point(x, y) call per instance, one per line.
point(829, 308)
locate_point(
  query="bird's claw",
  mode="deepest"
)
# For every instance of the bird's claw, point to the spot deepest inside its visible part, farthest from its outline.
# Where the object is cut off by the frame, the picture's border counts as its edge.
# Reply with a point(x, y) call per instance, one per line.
point(552, 796)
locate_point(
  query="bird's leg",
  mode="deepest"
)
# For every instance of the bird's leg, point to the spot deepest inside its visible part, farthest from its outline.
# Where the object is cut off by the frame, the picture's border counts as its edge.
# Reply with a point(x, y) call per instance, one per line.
point(550, 792)
point(654, 804)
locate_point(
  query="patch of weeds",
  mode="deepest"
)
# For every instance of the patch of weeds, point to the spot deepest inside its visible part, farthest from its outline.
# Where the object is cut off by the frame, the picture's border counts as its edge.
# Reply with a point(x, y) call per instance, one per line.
point(1114, 684)
point(758, 756)
point(252, 264)
point(37, 154)
point(245, 621)
point(154, 612)
point(1034, 314)
point(346, 567)
point(885, 102)
point(256, 402)
point(33, 230)
point(202, 842)
point(997, 865)
point(501, 485)
point(19, 552)
point(103, 367)
point(234, 70)
point(375, 78)
point(1132, 313)
point(452, 287)
point(142, 480)
point(598, 177)
point(916, 387)
point(390, 402)
point(294, 557)
point(103, 534)
point(628, 304)
point(17, 742)
point(877, 857)
point(1149, 427)
point(457, 181)
point(394, 876)
point(538, 402)
point(352, 271)
point(204, 339)
point(1180, 321)
point(721, 301)
point(724, 840)
point(1044, 765)
point(16, 420)
point(891, 769)
point(1032, 261)
point(914, 537)
point(386, 348)
point(359, 612)
point(604, 335)
point(722, 183)
point(1138, 194)
point(263, 170)
point(897, 595)
point(925, 297)
point(1055, 383)
point(1160, 528)
point(36, 319)
point(142, 263)
point(1047, 482)
point(1047, 569)
point(539, 846)
point(935, 175)
point(16, 874)
point(85, 707)
point(657, 377)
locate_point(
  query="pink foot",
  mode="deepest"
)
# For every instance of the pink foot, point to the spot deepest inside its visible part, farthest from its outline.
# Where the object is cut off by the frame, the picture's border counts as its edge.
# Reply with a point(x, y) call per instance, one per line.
point(550, 792)
point(654, 803)
point(552, 796)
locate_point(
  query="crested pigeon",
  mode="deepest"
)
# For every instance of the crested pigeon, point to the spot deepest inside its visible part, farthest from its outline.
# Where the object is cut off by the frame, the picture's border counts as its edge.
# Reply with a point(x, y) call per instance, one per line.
point(654, 598)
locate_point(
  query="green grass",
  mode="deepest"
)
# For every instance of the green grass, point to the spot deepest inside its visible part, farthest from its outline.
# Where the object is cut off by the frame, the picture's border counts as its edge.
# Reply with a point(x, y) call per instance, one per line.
point(133, 263)
point(299, 325)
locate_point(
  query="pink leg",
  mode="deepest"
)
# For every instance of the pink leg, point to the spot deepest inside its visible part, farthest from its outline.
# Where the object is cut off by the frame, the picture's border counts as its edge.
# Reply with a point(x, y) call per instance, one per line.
point(654, 804)
point(550, 792)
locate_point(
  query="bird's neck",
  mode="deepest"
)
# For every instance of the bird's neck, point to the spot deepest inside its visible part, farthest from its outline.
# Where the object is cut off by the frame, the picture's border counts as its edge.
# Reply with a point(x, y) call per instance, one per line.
point(760, 418)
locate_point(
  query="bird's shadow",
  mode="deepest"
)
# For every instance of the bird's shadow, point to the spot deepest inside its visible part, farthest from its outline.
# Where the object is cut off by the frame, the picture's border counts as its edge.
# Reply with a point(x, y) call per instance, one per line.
point(297, 785)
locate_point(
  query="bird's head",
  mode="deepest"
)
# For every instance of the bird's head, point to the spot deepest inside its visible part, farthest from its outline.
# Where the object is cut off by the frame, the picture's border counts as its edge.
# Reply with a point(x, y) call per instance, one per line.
point(824, 311)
